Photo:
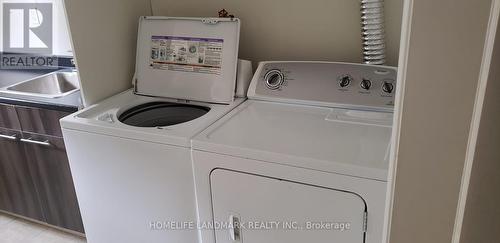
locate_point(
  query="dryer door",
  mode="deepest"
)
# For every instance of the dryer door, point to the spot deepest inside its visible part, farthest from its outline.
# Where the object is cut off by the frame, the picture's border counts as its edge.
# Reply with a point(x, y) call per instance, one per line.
point(256, 209)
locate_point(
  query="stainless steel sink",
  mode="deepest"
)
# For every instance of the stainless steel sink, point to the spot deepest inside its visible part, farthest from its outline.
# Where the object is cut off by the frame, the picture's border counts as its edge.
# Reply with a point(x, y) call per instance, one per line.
point(52, 85)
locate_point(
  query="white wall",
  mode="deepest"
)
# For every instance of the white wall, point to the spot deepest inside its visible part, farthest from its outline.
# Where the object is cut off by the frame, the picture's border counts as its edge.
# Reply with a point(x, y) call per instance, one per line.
point(442, 64)
point(104, 35)
point(62, 40)
point(294, 29)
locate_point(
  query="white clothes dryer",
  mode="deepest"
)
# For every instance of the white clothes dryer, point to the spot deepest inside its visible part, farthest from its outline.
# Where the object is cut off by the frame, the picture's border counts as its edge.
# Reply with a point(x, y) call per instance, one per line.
point(304, 159)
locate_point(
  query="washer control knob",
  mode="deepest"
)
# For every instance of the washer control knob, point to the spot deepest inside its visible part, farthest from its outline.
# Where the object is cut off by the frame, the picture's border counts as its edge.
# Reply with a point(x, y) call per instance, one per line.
point(365, 84)
point(274, 79)
point(344, 81)
point(387, 87)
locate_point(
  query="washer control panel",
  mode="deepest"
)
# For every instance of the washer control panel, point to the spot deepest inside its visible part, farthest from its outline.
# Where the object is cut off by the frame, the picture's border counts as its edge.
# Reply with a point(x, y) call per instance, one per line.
point(326, 84)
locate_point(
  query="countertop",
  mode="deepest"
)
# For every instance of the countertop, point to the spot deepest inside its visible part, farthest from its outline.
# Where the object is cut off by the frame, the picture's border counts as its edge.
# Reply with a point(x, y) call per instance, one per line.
point(69, 103)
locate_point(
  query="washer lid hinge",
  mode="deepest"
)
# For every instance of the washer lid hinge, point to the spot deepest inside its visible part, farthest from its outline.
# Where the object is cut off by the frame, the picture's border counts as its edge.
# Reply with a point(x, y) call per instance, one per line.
point(365, 222)
point(134, 84)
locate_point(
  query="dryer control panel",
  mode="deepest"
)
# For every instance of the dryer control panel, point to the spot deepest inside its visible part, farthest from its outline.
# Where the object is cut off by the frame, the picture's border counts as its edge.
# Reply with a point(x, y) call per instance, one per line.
point(329, 84)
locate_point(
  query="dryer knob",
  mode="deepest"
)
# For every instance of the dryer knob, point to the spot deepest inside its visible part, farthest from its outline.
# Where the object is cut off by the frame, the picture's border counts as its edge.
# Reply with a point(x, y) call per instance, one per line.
point(387, 87)
point(345, 80)
point(366, 84)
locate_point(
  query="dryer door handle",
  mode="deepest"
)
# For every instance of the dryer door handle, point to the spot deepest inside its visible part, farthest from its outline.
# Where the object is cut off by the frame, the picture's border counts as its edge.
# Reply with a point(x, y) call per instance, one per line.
point(234, 228)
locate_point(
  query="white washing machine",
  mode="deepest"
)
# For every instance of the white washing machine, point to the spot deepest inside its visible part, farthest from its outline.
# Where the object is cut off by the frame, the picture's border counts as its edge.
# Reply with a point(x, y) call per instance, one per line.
point(304, 159)
point(130, 155)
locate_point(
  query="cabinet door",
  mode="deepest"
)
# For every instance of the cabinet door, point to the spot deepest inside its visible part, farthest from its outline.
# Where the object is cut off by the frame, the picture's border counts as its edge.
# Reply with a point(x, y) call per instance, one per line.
point(17, 191)
point(8, 117)
point(51, 173)
point(41, 121)
point(256, 209)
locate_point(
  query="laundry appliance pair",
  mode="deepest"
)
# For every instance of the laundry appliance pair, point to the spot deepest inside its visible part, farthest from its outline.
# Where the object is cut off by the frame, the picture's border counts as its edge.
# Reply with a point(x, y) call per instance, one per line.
point(179, 159)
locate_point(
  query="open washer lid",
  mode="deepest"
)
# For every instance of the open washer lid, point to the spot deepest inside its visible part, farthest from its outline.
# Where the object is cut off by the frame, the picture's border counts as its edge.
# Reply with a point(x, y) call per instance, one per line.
point(187, 58)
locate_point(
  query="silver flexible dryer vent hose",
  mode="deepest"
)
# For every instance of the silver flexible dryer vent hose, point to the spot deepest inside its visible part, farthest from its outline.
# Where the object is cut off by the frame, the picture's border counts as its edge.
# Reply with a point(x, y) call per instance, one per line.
point(373, 31)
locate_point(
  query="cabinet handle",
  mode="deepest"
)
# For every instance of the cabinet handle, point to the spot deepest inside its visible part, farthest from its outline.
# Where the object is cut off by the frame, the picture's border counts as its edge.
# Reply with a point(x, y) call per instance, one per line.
point(12, 137)
point(30, 140)
point(234, 231)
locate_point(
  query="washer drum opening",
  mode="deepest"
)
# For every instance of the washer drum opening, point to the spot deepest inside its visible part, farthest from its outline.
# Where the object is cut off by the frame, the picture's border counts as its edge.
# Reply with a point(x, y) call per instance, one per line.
point(161, 114)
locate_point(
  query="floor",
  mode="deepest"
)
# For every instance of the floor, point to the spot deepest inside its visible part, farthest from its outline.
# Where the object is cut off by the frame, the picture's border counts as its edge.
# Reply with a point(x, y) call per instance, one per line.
point(15, 230)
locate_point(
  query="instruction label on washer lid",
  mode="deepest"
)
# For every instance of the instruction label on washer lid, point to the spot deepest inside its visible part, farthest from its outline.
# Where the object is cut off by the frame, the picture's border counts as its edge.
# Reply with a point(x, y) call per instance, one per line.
point(186, 54)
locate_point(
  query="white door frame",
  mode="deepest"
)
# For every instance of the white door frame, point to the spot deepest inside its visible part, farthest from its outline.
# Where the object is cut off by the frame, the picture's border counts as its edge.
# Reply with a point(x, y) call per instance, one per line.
point(400, 93)
point(474, 127)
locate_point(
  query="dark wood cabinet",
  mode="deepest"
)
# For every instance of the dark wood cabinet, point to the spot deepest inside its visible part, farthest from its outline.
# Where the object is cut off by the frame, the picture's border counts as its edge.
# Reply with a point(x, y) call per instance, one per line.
point(51, 174)
point(35, 178)
point(17, 190)
point(41, 121)
point(8, 117)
